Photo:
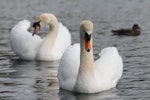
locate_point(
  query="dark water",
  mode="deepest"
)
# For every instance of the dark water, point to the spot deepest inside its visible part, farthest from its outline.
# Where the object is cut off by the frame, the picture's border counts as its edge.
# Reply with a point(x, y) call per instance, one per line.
point(24, 80)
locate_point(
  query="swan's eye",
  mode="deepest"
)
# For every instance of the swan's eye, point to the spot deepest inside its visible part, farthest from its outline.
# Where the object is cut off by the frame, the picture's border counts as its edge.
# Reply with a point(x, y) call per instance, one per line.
point(87, 36)
point(36, 24)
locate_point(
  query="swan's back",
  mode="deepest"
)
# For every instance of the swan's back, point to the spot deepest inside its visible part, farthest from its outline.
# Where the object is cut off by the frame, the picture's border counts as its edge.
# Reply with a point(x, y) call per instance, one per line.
point(22, 42)
point(68, 67)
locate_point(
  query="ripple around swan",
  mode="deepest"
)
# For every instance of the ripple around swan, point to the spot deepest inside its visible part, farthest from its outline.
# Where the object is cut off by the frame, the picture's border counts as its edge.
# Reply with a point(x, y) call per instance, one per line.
point(31, 80)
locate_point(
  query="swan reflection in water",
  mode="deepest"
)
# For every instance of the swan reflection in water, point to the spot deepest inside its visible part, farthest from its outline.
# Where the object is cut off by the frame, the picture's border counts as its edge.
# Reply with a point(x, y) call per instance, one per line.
point(38, 80)
point(30, 80)
point(112, 94)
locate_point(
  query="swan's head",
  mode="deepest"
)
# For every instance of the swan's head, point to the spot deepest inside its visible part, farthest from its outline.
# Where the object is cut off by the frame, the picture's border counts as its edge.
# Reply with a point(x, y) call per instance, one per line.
point(86, 29)
point(43, 20)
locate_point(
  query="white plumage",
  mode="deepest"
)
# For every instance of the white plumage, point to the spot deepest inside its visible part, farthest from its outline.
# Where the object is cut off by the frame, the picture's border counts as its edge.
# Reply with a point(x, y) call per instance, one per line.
point(28, 47)
point(107, 69)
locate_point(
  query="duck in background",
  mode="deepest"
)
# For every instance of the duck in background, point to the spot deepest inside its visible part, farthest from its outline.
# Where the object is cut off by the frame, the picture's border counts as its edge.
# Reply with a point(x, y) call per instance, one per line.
point(135, 31)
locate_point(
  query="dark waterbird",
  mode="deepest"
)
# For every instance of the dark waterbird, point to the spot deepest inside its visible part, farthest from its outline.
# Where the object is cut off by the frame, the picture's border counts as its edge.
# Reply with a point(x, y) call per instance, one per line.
point(135, 31)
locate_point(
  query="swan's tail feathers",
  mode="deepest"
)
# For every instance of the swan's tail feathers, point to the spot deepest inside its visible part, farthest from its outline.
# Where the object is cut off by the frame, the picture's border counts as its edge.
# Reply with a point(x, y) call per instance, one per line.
point(109, 50)
point(24, 24)
point(112, 57)
point(109, 65)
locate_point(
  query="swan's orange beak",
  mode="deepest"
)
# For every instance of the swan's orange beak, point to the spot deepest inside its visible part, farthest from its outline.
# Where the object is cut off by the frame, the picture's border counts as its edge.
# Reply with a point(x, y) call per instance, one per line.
point(87, 45)
point(36, 28)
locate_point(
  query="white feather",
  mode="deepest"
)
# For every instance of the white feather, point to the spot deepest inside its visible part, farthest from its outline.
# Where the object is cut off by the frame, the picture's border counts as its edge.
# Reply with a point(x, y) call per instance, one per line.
point(26, 46)
point(107, 69)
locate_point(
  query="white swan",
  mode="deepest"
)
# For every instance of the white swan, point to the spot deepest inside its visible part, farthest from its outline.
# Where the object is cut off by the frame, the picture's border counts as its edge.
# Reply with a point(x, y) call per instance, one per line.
point(30, 47)
point(77, 71)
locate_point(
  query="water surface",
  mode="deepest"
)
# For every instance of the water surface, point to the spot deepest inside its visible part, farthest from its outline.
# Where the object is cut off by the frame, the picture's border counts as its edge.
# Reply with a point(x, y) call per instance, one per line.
point(33, 80)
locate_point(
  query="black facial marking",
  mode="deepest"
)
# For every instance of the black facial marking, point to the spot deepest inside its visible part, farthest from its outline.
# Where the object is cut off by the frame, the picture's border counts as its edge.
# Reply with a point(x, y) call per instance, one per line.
point(87, 36)
point(88, 50)
point(36, 24)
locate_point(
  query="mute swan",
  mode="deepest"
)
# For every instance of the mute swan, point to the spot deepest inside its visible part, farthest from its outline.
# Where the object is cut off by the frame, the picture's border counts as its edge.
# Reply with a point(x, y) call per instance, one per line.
point(135, 31)
point(30, 47)
point(77, 71)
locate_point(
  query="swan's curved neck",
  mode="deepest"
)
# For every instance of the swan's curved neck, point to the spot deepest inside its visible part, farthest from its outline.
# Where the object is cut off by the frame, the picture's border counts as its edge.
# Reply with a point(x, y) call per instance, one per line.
point(52, 33)
point(86, 60)
point(86, 70)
